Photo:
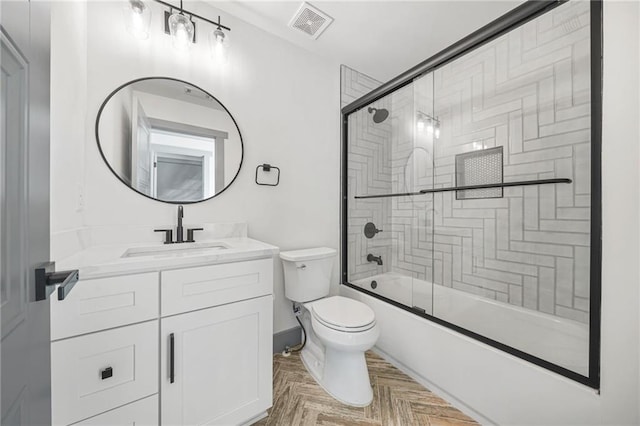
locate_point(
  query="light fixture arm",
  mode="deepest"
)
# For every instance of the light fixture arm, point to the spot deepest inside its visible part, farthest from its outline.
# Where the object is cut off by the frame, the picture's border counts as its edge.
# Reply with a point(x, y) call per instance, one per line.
point(193, 15)
point(430, 117)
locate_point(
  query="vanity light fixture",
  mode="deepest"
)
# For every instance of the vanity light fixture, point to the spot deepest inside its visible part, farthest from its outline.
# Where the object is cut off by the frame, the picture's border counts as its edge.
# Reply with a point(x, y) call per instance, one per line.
point(219, 44)
point(137, 17)
point(179, 23)
point(428, 122)
point(181, 28)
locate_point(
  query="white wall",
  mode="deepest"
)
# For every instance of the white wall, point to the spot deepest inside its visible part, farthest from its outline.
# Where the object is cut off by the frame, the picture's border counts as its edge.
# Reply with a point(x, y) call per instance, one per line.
point(284, 99)
point(68, 115)
point(503, 389)
point(621, 210)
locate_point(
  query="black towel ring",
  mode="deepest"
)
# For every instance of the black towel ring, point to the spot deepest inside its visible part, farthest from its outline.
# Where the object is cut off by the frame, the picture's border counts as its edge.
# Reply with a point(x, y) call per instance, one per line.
point(267, 168)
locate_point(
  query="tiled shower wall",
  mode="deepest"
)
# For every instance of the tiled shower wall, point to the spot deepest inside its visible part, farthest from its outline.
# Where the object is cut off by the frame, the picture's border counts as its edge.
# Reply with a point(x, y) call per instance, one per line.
point(369, 173)
point(529, 92)
point(354, 84)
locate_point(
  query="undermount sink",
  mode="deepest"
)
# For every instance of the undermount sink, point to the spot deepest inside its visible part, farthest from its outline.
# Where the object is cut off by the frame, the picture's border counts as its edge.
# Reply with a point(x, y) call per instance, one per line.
point(173, 250)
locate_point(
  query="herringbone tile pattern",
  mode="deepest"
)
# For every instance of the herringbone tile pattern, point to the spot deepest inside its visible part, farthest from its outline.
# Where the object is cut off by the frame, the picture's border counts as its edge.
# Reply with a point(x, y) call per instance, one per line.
point(397, 399)
point(527, 91)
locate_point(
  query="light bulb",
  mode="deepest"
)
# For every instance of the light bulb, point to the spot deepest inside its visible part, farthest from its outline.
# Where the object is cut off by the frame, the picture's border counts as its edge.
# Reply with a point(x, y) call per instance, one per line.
point(137, 18)
point(420, 124)
point(436, 132)
point(430, 127)
point(182, 30)
point(219, 44)
point(182, 37)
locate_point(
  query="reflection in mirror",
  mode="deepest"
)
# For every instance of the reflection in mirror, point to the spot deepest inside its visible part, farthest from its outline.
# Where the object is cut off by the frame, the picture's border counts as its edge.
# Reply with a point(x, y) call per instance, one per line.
point(169, 140)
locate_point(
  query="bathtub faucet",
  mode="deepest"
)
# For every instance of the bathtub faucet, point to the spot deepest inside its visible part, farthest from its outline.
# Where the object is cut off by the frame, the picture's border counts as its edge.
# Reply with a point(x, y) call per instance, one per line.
point(372, 258)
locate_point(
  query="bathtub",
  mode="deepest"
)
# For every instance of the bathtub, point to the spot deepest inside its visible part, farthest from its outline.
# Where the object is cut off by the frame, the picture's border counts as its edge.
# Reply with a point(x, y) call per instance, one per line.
point(400, 288)
point(561, 341)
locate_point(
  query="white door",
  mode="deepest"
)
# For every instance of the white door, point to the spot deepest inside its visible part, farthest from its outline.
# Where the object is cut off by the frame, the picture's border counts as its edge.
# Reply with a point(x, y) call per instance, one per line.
point(216, 364)
point(24, 211)
point(141, 161)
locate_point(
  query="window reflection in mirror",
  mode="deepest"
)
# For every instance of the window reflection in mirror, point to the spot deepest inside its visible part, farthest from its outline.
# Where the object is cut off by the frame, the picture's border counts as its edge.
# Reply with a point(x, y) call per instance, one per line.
point(169, 140)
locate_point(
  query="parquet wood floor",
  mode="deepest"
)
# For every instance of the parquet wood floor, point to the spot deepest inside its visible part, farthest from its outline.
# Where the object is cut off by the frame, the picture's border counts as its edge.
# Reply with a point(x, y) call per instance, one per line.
point(397, 400)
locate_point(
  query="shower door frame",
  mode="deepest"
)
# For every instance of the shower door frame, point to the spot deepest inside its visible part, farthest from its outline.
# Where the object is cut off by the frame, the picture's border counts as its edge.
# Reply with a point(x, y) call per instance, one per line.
point(515, 18)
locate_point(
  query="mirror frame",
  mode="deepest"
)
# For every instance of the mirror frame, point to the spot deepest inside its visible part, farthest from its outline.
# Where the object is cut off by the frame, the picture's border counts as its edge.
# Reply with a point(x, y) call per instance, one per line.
point(104, 158)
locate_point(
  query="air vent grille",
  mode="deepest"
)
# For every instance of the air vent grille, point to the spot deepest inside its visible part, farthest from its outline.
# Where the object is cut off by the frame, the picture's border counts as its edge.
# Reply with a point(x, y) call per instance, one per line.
point(310, 20)
point(196, 93)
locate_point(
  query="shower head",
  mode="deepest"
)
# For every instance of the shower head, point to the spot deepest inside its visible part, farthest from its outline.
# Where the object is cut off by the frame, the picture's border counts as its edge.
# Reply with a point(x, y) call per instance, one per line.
point(380, 114)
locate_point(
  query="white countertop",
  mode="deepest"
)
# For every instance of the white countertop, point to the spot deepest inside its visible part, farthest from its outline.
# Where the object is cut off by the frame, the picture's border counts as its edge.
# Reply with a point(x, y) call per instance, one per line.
point(106, 260)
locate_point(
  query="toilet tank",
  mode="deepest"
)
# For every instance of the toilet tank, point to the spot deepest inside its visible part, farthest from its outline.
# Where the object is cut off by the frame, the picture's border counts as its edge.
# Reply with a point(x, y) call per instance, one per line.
point(307, 273)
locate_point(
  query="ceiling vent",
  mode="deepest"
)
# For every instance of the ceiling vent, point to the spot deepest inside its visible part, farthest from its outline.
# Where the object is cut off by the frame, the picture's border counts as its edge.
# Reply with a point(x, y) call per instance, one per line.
point(189, 91)
point(310, 20)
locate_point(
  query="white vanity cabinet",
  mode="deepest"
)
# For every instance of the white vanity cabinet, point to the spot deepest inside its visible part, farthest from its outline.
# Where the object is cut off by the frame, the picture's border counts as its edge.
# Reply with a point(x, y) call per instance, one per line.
point(104, 350)
point(172, 347)
point(216, 363)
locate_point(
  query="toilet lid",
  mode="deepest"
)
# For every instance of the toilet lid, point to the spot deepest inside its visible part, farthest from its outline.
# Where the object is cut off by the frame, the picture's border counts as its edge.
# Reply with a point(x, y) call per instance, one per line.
point(343, 313)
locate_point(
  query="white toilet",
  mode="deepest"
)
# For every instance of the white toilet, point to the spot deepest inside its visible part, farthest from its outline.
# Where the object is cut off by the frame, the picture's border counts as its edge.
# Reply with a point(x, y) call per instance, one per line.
point(339, 330)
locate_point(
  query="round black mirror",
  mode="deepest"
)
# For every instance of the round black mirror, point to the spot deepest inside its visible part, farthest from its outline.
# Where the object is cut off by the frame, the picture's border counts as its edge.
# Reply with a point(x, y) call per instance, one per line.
point(169, 140)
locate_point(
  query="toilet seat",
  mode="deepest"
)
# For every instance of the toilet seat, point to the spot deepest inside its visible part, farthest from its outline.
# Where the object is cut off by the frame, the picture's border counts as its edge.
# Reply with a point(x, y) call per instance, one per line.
point(343, 314)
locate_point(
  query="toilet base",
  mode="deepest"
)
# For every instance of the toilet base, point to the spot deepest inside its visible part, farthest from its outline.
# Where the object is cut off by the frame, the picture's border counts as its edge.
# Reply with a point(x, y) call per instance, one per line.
point(343, 375)
point(343, 385)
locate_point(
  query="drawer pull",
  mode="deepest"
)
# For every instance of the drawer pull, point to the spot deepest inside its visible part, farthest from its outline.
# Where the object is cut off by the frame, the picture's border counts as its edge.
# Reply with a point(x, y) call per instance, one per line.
point(106, 373)
point(171, 358)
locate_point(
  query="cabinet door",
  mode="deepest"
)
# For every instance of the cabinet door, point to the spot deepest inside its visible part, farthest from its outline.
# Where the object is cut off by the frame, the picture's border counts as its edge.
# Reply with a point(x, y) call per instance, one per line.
point(217, 364)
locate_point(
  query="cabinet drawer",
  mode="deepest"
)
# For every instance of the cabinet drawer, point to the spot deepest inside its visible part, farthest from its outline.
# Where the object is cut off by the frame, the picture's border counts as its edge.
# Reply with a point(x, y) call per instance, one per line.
point(186, 290)
point(103, 303)
point(81, 384)
point(139, 413)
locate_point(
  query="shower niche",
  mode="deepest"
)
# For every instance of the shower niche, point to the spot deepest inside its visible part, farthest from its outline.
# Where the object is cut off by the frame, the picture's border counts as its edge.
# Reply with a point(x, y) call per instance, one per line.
point(483, 169)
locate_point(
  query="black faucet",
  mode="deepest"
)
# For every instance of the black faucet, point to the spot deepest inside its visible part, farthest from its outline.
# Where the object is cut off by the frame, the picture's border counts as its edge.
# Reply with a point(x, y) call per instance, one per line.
point(372, 258)
point(180, 229)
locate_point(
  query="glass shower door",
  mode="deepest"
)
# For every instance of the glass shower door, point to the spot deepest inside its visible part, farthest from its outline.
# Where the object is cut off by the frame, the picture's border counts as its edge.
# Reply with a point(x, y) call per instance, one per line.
point(512, 264)
point(389, 238)
point(469, 192)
